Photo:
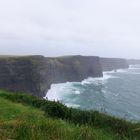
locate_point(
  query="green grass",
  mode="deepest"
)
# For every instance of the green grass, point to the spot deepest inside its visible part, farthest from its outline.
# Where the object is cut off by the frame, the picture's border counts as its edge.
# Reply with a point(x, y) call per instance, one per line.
point(22, 122)
point(24, 117)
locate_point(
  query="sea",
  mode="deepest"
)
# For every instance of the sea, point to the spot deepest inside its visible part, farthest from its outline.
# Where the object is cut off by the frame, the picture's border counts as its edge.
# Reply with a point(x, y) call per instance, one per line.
point(117, 93)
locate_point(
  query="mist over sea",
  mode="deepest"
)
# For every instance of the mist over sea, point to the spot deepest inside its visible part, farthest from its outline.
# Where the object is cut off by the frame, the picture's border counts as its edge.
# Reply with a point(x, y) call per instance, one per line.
point(116, 93)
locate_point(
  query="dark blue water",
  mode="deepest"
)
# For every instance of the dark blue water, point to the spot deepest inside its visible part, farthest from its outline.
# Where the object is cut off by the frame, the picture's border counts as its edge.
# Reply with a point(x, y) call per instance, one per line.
point(117, 93)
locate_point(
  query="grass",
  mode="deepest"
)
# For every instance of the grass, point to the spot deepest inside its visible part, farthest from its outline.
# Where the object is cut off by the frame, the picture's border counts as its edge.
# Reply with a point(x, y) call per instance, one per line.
point(24, 117)
point(22, 122)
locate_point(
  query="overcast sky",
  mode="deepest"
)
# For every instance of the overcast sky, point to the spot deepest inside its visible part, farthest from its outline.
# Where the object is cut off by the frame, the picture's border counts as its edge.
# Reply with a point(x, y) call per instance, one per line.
point(108, 28)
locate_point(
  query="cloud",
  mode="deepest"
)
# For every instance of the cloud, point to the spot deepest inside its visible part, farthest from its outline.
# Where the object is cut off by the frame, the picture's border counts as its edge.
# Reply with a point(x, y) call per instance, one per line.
point(52, 27)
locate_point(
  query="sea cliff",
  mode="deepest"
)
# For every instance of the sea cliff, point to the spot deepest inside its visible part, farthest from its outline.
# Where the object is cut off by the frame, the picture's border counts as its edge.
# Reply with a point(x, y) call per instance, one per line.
point(35, 74)
point(72, 68)
point(22, 74)
point(109, 64)
point(133, 61)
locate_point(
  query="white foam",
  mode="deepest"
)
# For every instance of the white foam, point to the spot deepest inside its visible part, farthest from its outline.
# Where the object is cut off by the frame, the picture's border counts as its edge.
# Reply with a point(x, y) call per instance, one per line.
point(116, 95)
point(122, 70)
point(104, 91)
point(72, 105)
point(107, 72)
point(129, 71)
point(77, 92)
point(57, 91)
point(134, 66)
point(84, 82)
point(126, 71)
point(116, 71)
point(99, 80)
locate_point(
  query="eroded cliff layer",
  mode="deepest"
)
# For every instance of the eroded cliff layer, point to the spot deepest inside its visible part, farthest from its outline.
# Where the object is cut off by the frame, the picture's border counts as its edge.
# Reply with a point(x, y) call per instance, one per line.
point(35, 74)
point(109, 64)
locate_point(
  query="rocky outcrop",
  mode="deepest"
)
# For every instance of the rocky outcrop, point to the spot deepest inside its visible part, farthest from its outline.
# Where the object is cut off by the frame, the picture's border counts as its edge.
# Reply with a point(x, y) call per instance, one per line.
point(109, 64)
point(35, 74)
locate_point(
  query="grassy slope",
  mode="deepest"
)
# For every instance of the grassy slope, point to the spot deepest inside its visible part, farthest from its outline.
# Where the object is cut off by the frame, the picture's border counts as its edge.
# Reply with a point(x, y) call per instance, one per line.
point(24, 122)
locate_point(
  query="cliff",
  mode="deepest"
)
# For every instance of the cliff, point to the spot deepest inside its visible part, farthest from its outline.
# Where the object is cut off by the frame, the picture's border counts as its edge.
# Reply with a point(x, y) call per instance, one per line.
point(109, 64)
point(35, 74)
point(21, 74)
point(72, 68)
point(133, 61)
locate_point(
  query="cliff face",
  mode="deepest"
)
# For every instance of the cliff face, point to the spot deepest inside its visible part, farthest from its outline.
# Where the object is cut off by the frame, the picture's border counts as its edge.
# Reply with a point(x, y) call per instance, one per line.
point(109, 64)
point(133, 61)
point(72, 68)
point(35, 74)
point(21, 74)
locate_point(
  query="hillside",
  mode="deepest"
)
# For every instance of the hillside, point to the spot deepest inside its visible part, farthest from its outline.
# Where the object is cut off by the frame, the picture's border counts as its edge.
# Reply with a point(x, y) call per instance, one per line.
point(25, 117)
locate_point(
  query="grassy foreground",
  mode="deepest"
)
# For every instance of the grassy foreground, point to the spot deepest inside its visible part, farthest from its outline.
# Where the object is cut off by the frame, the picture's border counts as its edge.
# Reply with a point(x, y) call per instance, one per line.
point(23, 117)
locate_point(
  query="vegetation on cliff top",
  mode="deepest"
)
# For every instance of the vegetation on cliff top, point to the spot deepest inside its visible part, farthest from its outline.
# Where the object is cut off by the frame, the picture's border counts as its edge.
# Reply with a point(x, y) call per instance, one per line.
point(23, 117)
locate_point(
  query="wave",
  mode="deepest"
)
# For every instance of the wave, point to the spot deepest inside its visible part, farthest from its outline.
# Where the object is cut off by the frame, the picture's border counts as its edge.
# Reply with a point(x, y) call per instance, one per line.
point(57, 91)
point(107, 72)
point(61, 91)
point(98, 93)
point(72, 105)
point(134, 66)
point(77, 92)
point(131, 71)
point(100, 80)
point(122, 70)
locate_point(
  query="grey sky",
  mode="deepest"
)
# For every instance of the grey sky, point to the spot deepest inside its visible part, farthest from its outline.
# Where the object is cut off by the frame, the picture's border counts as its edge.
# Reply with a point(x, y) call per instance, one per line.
point(64, 27)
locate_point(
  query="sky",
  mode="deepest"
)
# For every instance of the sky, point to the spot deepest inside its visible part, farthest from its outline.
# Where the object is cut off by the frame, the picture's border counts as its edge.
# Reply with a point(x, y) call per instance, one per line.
point(106, 28)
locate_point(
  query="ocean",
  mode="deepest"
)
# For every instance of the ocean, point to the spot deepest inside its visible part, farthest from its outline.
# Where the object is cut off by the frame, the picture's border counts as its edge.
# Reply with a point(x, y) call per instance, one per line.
point(116, 93)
